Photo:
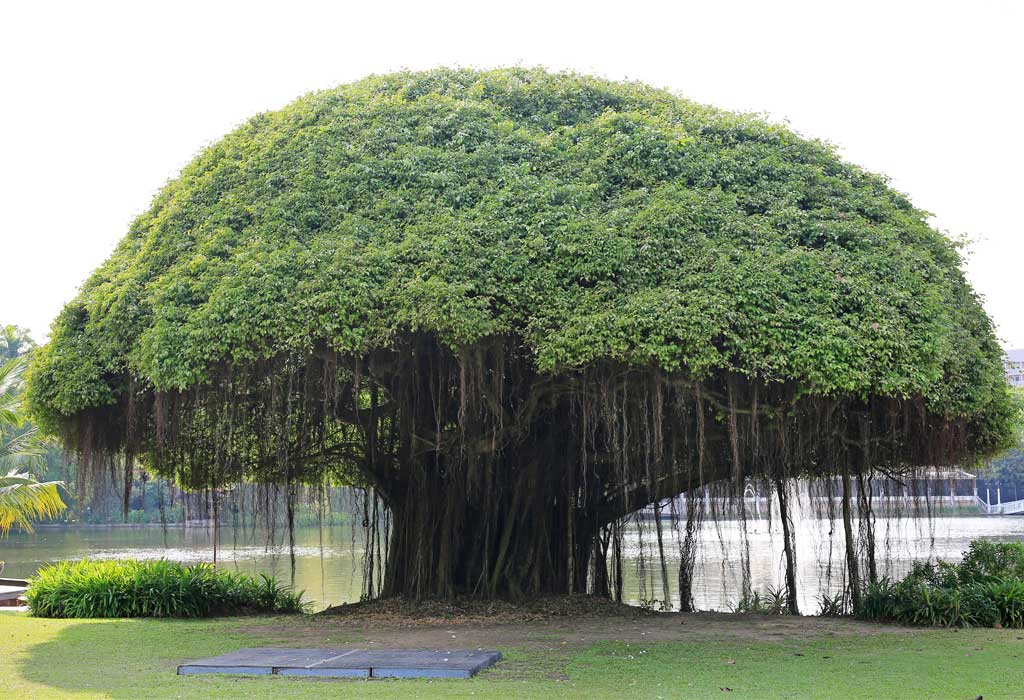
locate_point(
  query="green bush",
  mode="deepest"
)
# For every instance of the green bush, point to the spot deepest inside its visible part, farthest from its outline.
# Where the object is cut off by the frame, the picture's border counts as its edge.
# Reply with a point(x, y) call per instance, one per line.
point(832, 605)
point(986, 589)
point(771, 602)
point(158, 588)
point(986, 562)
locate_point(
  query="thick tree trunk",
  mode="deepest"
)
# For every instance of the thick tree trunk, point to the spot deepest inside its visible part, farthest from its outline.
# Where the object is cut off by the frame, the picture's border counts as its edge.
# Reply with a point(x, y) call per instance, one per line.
point(433, 562)
point(522, 537)
point(500, 482)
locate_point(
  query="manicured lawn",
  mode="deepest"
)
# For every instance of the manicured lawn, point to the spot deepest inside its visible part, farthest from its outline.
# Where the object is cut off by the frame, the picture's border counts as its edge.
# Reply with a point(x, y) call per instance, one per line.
point(46, 659)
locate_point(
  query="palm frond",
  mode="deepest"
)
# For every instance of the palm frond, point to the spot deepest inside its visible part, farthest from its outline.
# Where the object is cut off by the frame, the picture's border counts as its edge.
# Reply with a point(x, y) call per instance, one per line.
point(23, 500)
point(23, 449)
point(11, 385)
point(9, 415)
point(12, 373)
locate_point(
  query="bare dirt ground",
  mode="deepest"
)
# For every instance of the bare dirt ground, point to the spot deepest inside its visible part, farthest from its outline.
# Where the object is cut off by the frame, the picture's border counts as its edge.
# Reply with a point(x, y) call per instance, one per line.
point(541, 635)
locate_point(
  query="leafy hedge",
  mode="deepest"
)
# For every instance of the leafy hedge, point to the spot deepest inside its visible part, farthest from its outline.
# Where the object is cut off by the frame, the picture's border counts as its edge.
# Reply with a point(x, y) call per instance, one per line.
point(160, 588)
point(985, 590)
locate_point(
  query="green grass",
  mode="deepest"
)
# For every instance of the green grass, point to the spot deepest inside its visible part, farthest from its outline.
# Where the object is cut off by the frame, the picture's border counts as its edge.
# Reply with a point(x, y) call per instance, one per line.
point(45, 659)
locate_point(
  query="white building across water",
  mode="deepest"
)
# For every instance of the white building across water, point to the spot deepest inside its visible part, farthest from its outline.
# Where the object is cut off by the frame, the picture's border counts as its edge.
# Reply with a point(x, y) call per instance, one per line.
point(1015, 367)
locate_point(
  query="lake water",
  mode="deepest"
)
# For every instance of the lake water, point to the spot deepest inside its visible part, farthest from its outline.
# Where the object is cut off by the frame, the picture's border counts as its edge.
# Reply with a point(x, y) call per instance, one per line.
point(327, 562)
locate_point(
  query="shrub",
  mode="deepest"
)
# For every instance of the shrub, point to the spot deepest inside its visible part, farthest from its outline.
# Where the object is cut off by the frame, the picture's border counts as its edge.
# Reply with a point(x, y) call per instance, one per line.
point(159, 588)
point(832, 605)
point(986, 589)
point(986, 562)
point(771, 602)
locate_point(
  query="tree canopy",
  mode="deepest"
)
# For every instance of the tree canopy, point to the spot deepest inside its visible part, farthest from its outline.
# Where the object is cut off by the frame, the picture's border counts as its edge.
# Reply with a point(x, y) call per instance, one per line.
point(424, 277)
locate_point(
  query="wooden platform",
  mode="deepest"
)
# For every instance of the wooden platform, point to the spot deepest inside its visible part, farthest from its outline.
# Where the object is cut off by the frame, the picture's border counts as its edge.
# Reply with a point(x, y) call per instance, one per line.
point(11, 589)
point(346, 663)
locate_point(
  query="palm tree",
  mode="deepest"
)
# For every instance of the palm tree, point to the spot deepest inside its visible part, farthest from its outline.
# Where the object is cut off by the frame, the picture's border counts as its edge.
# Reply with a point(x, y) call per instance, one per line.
point(14, 341)
point(23, 499)
point(20, 443)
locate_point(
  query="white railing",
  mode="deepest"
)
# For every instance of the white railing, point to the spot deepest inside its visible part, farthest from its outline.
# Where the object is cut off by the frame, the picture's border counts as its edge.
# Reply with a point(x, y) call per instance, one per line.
point(1006, 508)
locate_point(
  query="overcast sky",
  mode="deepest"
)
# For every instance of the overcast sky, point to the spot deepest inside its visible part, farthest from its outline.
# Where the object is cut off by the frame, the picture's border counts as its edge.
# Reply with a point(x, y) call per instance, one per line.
point(102, 103)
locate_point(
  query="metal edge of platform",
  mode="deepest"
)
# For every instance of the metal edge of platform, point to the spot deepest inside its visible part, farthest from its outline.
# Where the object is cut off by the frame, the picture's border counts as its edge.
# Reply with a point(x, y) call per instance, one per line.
point(317, 671)
point(324, 672)
point(386, 672)
point(199, 669)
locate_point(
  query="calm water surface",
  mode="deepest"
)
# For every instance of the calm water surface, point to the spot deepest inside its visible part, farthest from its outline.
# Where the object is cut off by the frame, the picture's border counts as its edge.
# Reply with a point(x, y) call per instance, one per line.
point(327, 562)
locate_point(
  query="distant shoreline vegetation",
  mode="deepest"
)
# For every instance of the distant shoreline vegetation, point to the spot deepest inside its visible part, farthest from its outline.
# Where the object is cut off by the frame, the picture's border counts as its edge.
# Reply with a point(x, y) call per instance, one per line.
point(145, 519)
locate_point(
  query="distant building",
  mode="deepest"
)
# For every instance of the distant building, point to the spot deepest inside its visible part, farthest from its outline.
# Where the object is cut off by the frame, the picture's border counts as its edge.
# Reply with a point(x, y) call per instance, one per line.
point(1015, 367)
point(919, 488)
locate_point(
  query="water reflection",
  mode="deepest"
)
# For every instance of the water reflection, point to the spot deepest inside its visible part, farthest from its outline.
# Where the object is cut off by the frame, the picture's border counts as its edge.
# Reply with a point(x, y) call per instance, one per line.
point(820, 555)
point(327, 562)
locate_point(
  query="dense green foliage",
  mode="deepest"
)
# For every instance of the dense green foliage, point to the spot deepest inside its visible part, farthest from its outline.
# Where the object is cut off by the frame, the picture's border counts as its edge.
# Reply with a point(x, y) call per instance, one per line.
point(986, 589)
point(591, 219)
point(160, 588)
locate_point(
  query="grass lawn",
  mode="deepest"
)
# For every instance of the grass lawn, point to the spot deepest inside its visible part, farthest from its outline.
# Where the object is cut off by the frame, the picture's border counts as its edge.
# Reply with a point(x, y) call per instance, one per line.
point(670, 656)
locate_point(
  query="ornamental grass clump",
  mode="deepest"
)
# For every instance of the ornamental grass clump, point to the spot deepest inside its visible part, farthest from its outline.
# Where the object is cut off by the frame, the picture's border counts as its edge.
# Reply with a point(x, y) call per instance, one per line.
point(160, 588)
point(985, 590)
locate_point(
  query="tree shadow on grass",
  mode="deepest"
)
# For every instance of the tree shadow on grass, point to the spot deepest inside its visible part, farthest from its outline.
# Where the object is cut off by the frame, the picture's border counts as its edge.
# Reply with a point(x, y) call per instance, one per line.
point(127, 658)
point(137, 659)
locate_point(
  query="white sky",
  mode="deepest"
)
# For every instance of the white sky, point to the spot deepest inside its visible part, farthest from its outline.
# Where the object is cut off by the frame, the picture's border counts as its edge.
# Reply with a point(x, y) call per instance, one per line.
point(102, 103)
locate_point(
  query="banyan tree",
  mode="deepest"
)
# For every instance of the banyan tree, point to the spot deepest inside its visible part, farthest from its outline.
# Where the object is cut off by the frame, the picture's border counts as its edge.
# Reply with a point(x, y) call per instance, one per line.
point(514, 307)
